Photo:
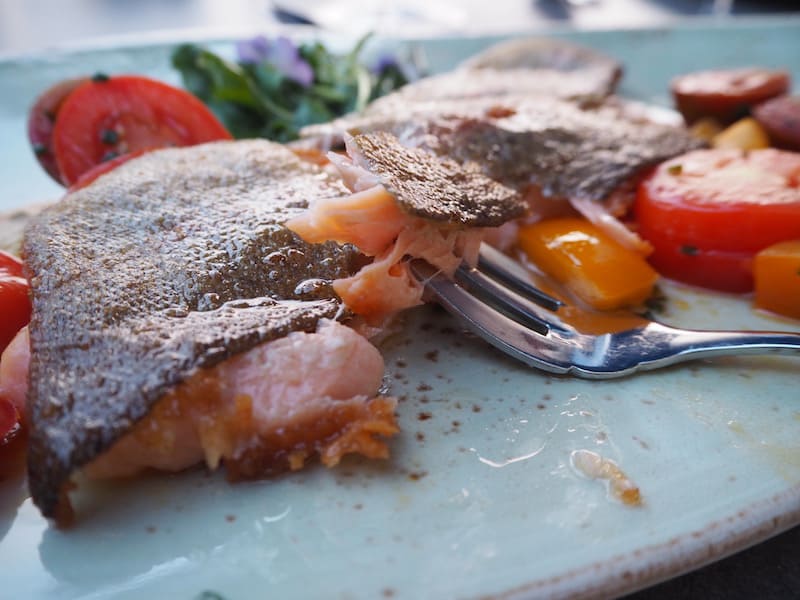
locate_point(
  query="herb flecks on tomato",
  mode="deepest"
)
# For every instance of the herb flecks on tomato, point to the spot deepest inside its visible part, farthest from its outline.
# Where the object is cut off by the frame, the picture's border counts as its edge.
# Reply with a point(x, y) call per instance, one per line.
point(15, 304)
point(105, 118)
point(707, 219)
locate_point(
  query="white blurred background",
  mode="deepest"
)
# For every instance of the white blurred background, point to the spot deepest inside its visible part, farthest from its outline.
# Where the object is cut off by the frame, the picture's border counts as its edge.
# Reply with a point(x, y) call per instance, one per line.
point(31, 25)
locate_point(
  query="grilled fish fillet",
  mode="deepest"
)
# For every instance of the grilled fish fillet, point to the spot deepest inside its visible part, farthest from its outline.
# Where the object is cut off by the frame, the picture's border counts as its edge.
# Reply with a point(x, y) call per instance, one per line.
point(157, 272)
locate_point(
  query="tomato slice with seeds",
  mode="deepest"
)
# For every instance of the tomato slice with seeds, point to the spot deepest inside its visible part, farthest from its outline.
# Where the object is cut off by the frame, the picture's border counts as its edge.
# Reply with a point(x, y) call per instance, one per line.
point(106, 117)
point(15, 304)
point(707, 213)
point(41, 121)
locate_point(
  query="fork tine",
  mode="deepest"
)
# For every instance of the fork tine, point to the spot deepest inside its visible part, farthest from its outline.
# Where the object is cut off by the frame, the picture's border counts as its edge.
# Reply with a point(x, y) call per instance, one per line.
point(499, 266)
point(506, 300)
point(503, 332)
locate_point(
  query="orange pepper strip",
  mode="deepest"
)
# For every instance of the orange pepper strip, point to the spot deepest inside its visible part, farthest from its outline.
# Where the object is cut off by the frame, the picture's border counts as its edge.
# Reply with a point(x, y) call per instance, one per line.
point(590, 264)
point(777, 278)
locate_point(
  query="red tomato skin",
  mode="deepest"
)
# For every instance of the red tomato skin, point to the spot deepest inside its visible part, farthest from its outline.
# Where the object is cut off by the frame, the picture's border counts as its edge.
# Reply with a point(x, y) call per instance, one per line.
point(136, 112)
point(713, 269)
point(41, 122)
point(707, 214)
point(728, 94)
point(15, 303)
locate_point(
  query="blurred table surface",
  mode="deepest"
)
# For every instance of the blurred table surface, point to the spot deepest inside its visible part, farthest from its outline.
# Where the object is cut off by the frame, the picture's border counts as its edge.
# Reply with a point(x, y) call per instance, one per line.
point(766, 571)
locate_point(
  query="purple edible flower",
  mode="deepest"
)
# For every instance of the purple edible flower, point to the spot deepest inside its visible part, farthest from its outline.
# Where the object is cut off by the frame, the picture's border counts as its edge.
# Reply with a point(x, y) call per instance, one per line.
point(384, 62)
point(280, 53)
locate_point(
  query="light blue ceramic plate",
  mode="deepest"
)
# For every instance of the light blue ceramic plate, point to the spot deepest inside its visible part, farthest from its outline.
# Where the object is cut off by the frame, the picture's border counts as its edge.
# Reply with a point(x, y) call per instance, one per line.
point(480, 497)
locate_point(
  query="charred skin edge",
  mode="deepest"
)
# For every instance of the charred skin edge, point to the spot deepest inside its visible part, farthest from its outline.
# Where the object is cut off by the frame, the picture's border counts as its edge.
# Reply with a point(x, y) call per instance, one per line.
point(436, 188)
point(89, 252)
point(346, 428)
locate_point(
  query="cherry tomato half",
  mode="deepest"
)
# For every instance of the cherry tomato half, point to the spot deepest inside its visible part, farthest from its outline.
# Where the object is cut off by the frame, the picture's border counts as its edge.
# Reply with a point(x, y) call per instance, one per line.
point(15, 304)
point(726, 95)
point(707, 213)
point(106, 117)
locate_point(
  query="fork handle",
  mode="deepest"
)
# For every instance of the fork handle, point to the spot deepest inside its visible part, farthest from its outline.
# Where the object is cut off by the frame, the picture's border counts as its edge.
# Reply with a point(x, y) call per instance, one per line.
point(663, 345)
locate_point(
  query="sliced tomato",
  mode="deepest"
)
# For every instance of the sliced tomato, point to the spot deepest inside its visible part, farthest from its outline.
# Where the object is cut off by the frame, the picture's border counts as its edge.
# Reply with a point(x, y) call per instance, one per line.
point(42, 119)
point(107, 117)
point(726, 95)
point(15, 304)
point(707, 213)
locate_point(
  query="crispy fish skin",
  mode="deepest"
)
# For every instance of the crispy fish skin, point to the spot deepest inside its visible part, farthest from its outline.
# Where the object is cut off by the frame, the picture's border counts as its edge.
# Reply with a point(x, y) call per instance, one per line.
point(172, 263)
point(550, 54)
point(522, 68)
point(437, 189)
point(565, 150)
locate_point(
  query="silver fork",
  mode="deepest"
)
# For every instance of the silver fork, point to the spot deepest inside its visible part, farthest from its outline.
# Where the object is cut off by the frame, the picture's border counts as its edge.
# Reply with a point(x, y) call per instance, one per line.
point(497, 301)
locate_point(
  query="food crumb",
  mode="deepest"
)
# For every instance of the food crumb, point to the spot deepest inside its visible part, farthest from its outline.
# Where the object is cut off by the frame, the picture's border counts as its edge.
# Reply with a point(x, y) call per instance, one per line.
point(432, 356)
point(150, 529)
point(388, 593)
point(420, 436)
point(476, 408)
point(230, 518)
point(358, 506)
point(424, 387)
point(620, 487)
point(424, 416)
point(417, 475)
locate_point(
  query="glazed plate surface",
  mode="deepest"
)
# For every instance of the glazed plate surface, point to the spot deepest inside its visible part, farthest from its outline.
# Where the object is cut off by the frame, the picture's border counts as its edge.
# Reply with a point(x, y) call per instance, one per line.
point(481, 497)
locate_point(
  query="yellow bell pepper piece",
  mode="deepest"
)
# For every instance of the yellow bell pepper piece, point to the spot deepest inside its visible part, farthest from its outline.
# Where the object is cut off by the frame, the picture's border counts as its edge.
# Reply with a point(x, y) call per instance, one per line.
point(745, 134)
point(776, 271)
point(589, 263)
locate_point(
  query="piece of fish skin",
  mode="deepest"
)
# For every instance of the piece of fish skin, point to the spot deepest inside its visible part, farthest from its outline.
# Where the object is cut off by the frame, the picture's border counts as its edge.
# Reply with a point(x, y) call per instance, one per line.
point(454, 92)
point(437, 189)
point(564, 150)
point(171, 263)
point(547, 53)
point(522, 68)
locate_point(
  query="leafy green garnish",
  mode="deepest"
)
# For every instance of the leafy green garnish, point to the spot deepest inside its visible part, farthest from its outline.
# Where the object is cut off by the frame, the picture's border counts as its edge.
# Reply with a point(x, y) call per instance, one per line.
point(275, 88)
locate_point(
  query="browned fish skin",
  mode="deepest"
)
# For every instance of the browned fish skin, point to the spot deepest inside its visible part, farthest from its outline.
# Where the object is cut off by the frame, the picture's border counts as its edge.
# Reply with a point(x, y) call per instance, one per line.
point(171, 263)
point(521, 69)
point(564, 150)
point(436, 189)
point(549, 54)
